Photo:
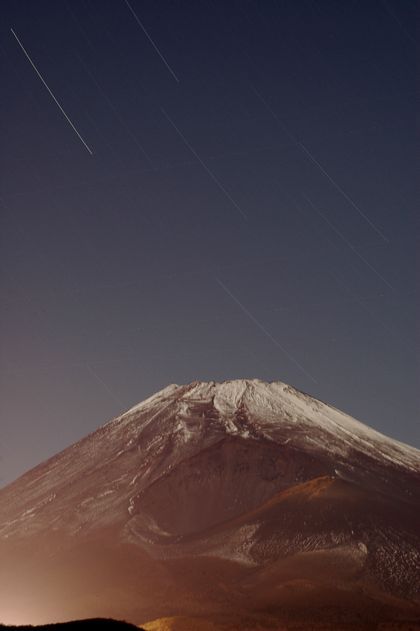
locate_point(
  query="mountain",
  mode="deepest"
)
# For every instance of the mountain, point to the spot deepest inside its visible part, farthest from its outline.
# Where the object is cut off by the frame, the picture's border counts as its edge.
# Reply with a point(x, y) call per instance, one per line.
point(238, 503)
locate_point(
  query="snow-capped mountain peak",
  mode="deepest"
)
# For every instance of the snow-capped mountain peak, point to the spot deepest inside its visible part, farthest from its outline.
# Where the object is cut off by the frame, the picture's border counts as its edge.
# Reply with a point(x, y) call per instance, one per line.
point(240, 476)
point(276, 411)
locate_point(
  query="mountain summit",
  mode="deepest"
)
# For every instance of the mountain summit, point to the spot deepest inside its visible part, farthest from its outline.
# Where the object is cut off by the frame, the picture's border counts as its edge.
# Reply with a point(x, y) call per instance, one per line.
point(242, 500)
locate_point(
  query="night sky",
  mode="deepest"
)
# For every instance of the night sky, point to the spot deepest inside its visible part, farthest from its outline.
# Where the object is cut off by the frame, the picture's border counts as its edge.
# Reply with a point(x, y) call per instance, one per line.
point(204, 190)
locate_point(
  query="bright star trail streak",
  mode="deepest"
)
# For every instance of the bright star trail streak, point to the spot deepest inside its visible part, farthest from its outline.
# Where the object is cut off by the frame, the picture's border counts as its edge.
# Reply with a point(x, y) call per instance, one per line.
point(314, 161)
point(265, 331)
point(347, 242)
point(204, 165)
point(344, 194)
point(322, 234)
point(51, 93)
point(136, 17)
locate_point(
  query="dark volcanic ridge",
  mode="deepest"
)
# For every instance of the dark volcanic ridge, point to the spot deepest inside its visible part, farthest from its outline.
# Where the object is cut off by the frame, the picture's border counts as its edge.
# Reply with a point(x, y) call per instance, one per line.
point(211, 499)
point(93, 624)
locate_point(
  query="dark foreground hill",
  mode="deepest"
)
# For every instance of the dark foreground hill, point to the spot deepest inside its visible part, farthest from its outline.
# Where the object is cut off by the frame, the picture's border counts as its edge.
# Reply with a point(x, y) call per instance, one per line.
point(92, 624)
point(236, 501)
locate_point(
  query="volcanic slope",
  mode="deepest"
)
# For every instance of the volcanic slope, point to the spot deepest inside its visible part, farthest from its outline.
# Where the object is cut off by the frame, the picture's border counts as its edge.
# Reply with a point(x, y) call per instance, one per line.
point(218, 499)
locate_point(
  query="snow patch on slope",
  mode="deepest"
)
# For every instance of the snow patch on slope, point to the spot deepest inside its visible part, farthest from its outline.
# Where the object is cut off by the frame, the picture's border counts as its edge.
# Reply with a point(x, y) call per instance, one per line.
point(150, 401)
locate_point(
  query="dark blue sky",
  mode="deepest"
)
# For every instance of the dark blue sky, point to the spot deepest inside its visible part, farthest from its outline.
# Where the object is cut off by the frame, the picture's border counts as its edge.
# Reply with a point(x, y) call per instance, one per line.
point(248, 208)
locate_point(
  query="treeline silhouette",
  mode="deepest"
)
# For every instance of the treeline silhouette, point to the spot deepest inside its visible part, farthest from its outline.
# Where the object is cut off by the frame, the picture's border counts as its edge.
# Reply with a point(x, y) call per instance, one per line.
point(92, 624)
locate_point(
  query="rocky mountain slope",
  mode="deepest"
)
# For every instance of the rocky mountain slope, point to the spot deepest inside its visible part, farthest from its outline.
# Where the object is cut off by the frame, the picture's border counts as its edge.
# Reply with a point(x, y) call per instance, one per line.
point(241, 498)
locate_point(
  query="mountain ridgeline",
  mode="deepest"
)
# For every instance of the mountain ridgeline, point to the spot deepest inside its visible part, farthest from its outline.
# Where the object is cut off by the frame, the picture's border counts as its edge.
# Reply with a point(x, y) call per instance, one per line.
point(235, 503)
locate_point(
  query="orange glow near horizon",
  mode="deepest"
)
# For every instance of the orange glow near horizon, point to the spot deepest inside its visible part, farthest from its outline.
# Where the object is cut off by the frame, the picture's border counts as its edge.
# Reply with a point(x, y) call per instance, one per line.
point(19, 614)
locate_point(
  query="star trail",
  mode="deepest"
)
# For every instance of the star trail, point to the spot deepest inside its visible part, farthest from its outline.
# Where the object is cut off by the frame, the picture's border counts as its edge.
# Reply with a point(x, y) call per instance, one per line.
point(204, 190)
